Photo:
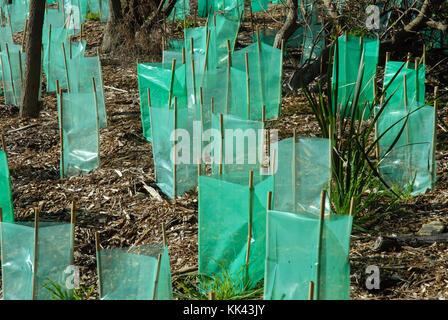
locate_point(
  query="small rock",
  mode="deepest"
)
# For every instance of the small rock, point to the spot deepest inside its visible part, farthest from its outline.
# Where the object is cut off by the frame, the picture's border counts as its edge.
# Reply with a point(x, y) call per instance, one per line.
point(432, 228)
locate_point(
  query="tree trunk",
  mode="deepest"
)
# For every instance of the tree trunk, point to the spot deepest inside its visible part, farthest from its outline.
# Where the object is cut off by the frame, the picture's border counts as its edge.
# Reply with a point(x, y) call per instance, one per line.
point(111, 38)
point(290, 25)
point(30, 105)
point(135, 27)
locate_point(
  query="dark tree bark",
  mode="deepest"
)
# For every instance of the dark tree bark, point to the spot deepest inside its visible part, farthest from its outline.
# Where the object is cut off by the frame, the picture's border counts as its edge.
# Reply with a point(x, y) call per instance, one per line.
point(110, 39)
point(136, 26)
point(290, 25)
point(30, 105)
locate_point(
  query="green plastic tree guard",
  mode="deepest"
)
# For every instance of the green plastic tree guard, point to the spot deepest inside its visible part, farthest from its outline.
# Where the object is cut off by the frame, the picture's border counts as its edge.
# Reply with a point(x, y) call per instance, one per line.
point(137, 273)
point(27, 264)
point(6, 202)
point(227, 207)
point(301, 249)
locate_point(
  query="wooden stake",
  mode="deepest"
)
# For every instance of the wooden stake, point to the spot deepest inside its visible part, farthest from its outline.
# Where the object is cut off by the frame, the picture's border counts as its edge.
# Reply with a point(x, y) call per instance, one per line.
point(247, 85)
point(416, 80)
point(98, 264)
point(24, 34)
point(156, 281)
point(66, 68)
point(61, 129)
point(36, 240)
point(263, 115)
point(249, 231)
point(352, 206)
point(387, 57)
point(311, 291)
point(70, 47)
point(269, 201)
point(193, 71)
point(10, 73)
point(175, 150)
point(434, 139)
point(164, 238)
point(424, 55)
point(97, 118)
point(72, 233)
point(183, 55)
point(173, 71)
point(330, 135)
point(229, 65)
point(408, 60)
point(282, 51)
point(206, 50)
point(293, 173)
point(221, 156)
point(20, 67)
point(319, 245)
point(211, 295)
point(3, 142)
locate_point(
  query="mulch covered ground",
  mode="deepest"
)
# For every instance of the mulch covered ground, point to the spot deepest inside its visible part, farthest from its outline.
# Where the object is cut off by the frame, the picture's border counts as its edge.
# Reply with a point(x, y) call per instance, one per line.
point(121, 201)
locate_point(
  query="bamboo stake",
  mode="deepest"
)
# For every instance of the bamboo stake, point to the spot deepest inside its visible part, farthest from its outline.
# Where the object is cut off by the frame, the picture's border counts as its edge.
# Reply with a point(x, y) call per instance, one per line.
point(20, 68)
point(98, 264)
point(70, 47)
point(269, 201)
point(405, 87)
point(164, 238)
point(319, 245)
point(249, 231)
point(173, 71)
point(10, 73)
point(72, 233)
point(206, 50)
point(201, 105)
point(3, 73)
point(61, 129)
point(293, 173)
point(156, 281)
point(408, 60)
point(434, 139)
point(282, 51)
point(36, 239)
point(175, 150)
point(229, 66)
point(183, 55)
point(221, 156)
point(247, 85)
point(260, 75)
point(416, 80)
point(97, 119)
point(193, 71)
point(212, 102)
point(274, 153)
point(311, 291)
point(1, 236)
point(66, 68)
point(211, 295)
point(24, 33)
point(424, 55)
point(352, 206)
point(3, 142)
point(387, 57)
point(330, 134)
